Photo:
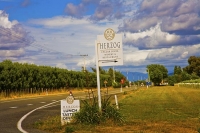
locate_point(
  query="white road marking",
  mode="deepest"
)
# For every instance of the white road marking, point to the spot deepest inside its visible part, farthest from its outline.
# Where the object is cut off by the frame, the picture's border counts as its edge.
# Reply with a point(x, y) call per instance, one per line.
point(51, 106)
point(42, 102)
point(19, 100)
point(13, 107)
point(19, 123)
point(29, 104)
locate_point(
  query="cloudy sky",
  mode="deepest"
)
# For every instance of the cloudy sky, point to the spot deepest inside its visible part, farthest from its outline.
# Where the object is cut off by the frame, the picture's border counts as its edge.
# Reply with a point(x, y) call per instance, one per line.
point(60, 32)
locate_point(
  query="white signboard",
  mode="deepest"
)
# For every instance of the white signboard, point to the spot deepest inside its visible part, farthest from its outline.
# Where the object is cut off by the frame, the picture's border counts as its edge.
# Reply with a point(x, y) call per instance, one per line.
point(109, 49)
point(68, 108)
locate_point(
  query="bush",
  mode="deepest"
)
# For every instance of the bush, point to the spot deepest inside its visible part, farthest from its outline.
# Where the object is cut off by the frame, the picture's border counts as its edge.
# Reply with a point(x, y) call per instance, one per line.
point(171, 80)
point(109, 112)
point(199, 130)
point(90, 113)
point(69, 130)
point(116, 85)
point(125, 92)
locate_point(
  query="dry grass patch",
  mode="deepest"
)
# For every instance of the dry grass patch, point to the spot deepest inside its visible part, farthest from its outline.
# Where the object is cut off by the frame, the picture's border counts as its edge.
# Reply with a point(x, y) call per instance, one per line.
point(16, 95)
point(164, 109)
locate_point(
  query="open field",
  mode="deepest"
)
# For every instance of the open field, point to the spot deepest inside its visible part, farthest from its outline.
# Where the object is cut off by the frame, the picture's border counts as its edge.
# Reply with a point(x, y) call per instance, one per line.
point(163, 109)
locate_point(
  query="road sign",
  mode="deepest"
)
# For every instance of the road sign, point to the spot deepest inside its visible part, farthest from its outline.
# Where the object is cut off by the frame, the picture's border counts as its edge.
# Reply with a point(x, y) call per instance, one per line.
point(109, 48)
point(68, 108)
point(122, 81)
point(109, 52)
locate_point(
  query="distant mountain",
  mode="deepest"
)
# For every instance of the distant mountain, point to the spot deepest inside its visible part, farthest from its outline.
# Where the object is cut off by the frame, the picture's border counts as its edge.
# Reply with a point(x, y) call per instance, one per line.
point(170, 74)
point(134, 76)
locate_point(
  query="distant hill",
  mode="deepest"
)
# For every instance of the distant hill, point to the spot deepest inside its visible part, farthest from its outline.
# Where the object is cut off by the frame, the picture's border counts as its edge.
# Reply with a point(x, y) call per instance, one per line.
point(134, 76)
point(170, 74)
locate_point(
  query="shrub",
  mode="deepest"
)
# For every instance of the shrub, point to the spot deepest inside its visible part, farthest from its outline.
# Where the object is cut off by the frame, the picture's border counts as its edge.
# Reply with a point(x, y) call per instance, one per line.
point(116, 84)
point(69, 129)
point(90, 113)
point(109, 112)
point(171, 80)
point(125, 92)
point(199, 130)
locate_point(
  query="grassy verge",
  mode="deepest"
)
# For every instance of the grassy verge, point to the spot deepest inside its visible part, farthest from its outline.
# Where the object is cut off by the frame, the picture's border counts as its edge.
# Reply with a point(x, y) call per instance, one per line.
point(164, 109)
point(17, 95)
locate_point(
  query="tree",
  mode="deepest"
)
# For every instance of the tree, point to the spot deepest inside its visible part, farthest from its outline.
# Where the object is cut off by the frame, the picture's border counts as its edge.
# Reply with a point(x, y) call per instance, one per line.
point(171, 80)
point(18, 77)
point(194, 66)
point(177, 70)
point(177, 74)
point(194, 76)
point(185, 76)
point(101, 70)
point(157, 73)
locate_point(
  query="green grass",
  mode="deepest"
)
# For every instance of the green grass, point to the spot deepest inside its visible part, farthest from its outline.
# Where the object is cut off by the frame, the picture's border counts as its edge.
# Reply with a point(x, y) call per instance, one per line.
point(163, 109)
point(162, 103)
point(192, 81)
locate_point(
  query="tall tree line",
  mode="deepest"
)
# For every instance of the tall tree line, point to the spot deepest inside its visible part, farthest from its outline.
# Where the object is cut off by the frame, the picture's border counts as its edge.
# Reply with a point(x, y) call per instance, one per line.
point(190, 72)
point(15, 77)
point(158, 73)
point(193, 66)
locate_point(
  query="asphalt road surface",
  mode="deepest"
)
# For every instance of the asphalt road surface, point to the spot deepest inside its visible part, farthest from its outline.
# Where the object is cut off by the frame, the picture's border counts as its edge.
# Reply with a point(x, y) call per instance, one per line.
point(19, 115)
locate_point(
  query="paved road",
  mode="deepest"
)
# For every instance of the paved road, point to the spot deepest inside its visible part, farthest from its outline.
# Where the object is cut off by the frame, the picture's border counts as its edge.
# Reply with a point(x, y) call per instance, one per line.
point(11, 111)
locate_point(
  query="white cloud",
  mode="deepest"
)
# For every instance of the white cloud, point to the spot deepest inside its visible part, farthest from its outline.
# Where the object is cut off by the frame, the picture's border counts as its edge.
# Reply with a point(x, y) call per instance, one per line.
point(61, 65)
point(87, 62)
point(71, 38)
point(141, 24)
point(177, 16)
point(4, 22)
point(151, 39)
point(188, 6)
point(151, 29)
point(65, 41)
point(185, 21)
point(25, 61)
point(12, 53)
point(135, 56)
point(13, 37)
point(174, 53)
point(58, 21)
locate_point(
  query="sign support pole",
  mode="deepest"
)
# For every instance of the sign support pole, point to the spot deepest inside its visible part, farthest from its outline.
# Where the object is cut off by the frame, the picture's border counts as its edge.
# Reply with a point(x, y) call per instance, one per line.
point(109, 52)
point(98, 79)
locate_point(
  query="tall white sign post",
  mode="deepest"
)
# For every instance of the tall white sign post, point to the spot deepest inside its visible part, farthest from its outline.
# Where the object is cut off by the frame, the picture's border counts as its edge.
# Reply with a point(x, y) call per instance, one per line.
point(109, 52)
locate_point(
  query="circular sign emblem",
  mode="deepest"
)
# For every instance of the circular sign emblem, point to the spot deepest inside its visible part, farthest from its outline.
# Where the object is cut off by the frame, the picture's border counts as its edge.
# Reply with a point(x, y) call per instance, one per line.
point(109, 34)
point(70, 99)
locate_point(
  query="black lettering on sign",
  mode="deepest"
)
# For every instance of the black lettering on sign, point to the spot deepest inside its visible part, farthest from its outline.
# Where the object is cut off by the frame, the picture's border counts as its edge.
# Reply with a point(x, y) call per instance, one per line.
point(110, 45)
point(70, 110)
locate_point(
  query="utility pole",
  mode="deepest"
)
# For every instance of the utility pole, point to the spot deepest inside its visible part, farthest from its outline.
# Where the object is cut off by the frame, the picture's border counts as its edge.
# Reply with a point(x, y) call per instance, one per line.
point(148, 75)
point(133, 77)
point(127, 75)
point(84, 55)
point(113, 74)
